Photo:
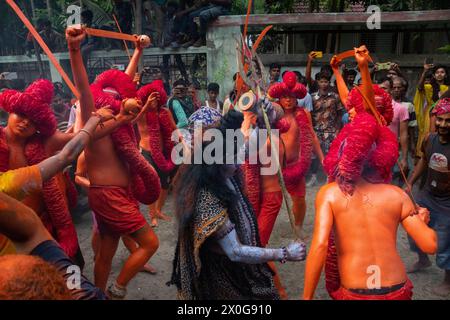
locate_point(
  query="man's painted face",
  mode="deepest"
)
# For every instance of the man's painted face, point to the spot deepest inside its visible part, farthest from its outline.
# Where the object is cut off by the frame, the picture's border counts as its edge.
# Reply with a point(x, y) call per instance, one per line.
point(21, 126)
point(440, 74)
point(288, 102)
point(443, 124)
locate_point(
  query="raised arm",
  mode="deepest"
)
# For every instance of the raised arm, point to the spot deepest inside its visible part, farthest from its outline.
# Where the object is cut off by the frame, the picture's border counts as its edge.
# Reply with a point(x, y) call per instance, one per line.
point(237, 252)
point(319, 246)
point(362, 56)
point(340, 82)
point(134, 62)
point(74, 38)
point(421, 84)
point(308, 77)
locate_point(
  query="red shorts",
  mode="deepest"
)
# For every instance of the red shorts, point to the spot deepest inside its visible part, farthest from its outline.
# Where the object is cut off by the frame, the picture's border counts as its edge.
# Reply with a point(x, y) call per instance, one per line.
point(298, 190)
point(404, 293)
point(115, 209)
point(270, 207)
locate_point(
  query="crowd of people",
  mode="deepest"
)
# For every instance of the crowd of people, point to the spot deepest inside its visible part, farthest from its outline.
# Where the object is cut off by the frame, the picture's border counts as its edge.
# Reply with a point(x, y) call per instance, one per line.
point(120, 136)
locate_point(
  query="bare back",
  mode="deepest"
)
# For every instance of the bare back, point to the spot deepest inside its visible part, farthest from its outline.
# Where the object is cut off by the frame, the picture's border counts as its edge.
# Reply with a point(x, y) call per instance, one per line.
point(365, 227)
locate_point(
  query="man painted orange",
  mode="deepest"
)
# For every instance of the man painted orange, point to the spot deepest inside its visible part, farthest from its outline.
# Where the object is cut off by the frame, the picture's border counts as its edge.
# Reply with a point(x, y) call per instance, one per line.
point(354, 206)
point(156, 128)
point(119, 175)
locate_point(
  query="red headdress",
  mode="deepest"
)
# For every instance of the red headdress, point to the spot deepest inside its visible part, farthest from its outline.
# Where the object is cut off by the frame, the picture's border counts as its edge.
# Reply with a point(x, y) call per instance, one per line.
point(155, 86)
point(289, 87)
point(442, 107)
point(362, 148)
point(110, 88)
point(293, 172)
point(383, 102)
point(160, 126)
point(34, 103)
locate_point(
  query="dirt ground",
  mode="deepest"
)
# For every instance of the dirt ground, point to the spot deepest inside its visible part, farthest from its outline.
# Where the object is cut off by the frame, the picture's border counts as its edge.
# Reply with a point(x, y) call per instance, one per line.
point(153, 287)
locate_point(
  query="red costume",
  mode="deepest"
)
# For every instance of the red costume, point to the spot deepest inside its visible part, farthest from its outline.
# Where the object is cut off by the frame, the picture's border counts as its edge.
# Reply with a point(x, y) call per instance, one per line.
point(294, 173)
point(363, 147)
point(34, 103)
point(267, 205)
point(110, 88)
point(160, 126)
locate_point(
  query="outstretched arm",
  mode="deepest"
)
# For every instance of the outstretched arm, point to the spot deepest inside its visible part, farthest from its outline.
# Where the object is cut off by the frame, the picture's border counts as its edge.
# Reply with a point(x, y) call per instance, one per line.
point(237, 252)
point(319, 246)
point(69, 154)
point(416, 225)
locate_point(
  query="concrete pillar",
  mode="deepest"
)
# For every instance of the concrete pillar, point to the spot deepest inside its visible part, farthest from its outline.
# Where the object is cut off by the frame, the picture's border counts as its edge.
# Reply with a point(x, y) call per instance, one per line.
point(221, 56)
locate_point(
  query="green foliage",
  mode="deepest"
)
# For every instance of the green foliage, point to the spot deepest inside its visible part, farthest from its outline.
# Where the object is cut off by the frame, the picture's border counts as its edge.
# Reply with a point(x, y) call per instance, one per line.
point(445, 49)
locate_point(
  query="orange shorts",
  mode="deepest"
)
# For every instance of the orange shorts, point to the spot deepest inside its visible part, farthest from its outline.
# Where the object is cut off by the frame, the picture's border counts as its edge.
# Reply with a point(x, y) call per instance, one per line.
point(115, 209)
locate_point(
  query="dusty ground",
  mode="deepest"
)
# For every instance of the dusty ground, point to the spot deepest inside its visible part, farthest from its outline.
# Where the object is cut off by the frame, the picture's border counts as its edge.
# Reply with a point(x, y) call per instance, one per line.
point(153, 287)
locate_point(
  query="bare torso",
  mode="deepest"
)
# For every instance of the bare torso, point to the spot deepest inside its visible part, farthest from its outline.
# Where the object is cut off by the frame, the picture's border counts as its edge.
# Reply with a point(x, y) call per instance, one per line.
point(270, 183)
point(143, 132)
point(366, 234)
point(290, 139)
point(104, 165)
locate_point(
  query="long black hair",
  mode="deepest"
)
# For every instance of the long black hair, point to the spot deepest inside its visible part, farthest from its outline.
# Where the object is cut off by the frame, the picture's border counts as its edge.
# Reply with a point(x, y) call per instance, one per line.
point(191, 178)
point(436, 87)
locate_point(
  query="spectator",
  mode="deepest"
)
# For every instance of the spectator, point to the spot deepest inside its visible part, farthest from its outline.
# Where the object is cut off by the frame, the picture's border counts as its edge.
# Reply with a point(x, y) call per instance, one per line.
point(181, 104)
point(62, 112)
point(193, 94)
point(349, 78)
point(399, 89)
point(398, 126)
point(435, 162)
point(306, 102)
point(213, 93)
point(124, 14)
point(274, 73)
point(326, 118)
point(155, 8)
point(426, 95)
point(54, 40)
point(208, 11)
point(325, 70)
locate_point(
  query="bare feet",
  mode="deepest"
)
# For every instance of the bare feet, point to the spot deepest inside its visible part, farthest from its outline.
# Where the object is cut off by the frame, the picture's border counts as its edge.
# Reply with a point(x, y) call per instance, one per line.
point(419, 266)
point(162, 216)
point(149, 269)
point(154, 223)
point(442, 290)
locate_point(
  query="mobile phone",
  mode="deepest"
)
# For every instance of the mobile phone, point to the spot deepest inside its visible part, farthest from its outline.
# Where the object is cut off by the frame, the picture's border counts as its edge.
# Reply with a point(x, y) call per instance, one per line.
point(319, 54)
point(429, 61)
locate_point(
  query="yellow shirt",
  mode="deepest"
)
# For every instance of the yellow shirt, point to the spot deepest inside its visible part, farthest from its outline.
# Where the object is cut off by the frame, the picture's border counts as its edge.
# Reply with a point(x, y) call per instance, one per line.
point(18, 184)
point(423, 102)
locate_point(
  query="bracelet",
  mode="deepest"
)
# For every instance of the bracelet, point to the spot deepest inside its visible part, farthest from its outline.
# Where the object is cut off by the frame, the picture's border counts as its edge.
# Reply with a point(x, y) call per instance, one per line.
point(88, 133)
point(285, 255)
